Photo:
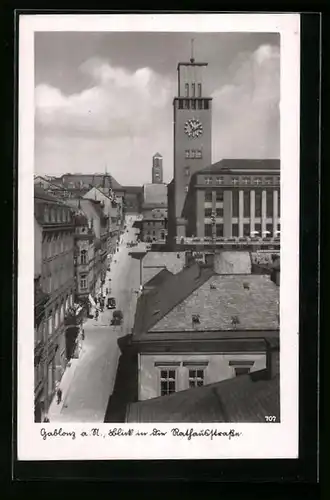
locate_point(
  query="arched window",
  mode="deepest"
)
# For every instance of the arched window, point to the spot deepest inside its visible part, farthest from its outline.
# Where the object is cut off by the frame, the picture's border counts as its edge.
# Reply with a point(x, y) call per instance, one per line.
point(83, 257)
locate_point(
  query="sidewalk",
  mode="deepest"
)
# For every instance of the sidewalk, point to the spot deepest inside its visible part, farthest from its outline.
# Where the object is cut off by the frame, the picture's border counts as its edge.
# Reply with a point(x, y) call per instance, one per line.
point(55, 410)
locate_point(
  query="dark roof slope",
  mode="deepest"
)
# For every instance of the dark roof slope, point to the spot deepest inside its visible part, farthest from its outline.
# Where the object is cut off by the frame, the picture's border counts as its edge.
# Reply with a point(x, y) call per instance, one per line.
point(159, 278)
point(155, 304)
point(133, 189)
point(241, 164)
point(40, 196)
point(246, 398)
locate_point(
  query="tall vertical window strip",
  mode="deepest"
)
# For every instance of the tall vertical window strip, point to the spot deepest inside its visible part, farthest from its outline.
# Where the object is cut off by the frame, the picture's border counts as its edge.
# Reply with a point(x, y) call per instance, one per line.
point(186, 90)
point(258, 203)
point(235, 202)
point(199, 90)
point(269, 203)
point(193, 89)
point(246, 204)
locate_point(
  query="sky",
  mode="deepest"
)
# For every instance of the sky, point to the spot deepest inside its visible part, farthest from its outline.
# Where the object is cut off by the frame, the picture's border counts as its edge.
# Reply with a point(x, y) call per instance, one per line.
point(103, 101)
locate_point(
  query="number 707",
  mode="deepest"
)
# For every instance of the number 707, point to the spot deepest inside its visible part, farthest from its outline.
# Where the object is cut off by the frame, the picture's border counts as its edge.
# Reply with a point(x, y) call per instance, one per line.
point(270, 418)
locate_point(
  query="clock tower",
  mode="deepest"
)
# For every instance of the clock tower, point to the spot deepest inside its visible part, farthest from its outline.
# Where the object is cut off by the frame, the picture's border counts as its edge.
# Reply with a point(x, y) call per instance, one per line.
point(192, 132)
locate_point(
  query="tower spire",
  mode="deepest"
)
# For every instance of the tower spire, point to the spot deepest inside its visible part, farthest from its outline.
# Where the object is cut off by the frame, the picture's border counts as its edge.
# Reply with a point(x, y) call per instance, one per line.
point(192, 59)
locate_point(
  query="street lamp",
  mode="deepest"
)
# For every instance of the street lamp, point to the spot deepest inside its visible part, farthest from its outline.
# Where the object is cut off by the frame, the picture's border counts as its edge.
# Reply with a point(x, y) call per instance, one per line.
point(139, 255)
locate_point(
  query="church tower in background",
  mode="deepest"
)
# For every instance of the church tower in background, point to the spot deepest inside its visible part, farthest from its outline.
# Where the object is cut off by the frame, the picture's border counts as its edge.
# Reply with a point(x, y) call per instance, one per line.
point(192, 131)
point(157, 169)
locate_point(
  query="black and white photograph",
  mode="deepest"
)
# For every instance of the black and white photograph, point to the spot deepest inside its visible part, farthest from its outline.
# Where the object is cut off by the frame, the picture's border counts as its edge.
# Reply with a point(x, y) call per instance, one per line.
point(159, 166)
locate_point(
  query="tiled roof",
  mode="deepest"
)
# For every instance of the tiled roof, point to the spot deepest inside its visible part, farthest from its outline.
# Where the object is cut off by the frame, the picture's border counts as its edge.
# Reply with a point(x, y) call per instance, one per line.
point(247, 398)
point(232, 263)
point(253, 299)
point(241, 164)
point(158, 302)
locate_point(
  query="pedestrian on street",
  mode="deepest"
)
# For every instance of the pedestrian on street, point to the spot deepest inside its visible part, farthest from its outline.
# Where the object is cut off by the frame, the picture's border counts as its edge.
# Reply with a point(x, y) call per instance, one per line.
point(59, 395)
point(83, 334)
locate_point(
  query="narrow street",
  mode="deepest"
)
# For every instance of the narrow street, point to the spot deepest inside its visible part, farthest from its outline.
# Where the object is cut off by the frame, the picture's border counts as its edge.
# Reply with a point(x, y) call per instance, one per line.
point(91, 382)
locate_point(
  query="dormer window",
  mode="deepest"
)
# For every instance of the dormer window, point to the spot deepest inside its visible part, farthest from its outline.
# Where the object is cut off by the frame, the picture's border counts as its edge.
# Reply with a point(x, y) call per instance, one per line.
point(195, 319)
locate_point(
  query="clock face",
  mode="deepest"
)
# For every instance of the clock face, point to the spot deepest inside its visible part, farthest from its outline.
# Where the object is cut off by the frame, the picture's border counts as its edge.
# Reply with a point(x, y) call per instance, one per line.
point(193, 128)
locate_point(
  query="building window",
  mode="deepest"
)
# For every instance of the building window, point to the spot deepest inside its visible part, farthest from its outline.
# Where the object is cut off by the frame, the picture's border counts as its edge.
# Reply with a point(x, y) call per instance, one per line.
point(199, 90)
point(198, 153)
point(187, 171)
point(83, 281)
point(246, 180)
point(180, 103)
point(257, 228)
point(200, 104)
point(83, 257)
point(235, 230)
point(234, 181)
point(269, 203)
point(235, 202)
point(219, 195)
point(186, 90)
point(258, 203)
point(246, 204)
point(46, 214)
point(219, 230)
point(269, 180)
point(187, 153)
point(208, 180)
point(242, 370)
point(193, 85)
point(208, 230)
point(269, 229)
point(246, 229)
point(193, 104)
point(186, 104)
point(208, 196)
point(162, 235)
point(207, 212)
point(167, 382)
point(277, 180)
point(257, 181)
point(186, 188)
point(219, 180)
point(50, 324)
point(196, 378)
point(219, 212)
point(206, 104)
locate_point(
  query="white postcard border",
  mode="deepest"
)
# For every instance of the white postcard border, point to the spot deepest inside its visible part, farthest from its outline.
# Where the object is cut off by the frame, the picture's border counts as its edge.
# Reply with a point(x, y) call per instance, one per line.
point(279, 440)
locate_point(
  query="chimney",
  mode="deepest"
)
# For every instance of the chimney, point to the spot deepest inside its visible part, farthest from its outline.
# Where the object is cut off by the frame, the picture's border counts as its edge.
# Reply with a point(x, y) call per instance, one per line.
point(272, 358)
